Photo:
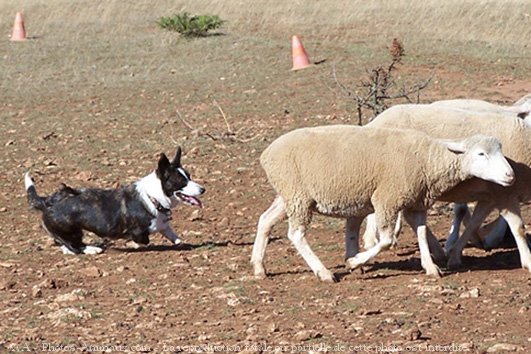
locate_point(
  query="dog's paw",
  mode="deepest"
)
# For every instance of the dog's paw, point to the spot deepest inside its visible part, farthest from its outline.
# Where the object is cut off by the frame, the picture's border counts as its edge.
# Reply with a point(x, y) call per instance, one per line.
point(92, 250)
point(177, 241)
point(67, 251)
point(133, 244)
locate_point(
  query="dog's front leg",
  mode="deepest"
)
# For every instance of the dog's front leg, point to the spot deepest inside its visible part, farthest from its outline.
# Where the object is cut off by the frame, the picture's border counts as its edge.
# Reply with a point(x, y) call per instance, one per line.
point(164, 227)
point(168, 232)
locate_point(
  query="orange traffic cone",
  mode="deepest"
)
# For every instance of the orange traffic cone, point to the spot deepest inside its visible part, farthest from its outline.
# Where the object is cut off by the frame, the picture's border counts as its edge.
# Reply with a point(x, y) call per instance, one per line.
point(19, 33)
point(300, 58)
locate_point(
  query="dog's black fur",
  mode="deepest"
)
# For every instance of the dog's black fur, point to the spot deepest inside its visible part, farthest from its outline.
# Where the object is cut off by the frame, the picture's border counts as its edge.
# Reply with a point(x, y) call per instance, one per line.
point(124, 212)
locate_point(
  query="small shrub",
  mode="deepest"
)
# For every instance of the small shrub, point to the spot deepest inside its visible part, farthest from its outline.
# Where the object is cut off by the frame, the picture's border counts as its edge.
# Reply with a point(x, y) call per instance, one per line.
point(380, 89)
point(191, 26)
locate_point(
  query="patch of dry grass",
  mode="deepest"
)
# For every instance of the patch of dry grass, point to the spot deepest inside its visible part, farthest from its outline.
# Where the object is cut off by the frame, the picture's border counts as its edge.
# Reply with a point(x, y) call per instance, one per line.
point(504, 24)
point(83, 46)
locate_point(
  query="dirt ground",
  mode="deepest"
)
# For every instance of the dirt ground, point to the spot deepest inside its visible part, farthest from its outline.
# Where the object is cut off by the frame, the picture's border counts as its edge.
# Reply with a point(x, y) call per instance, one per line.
point(202, 297)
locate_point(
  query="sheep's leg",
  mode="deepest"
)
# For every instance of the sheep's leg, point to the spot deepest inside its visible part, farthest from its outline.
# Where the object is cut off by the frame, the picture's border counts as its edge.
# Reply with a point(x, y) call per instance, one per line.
point(352, 236)
point(370, 236)
point(296, 234)
point(436, 250)
point(496, 235)
point(461, 214)
point(514, 218)
point(275, 213)
point(417, 221)
point(385, 241)
point(481, 211)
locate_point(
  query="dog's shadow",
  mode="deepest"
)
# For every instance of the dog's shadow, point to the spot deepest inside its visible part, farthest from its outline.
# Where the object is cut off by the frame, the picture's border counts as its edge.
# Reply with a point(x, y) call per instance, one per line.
point(181, 247)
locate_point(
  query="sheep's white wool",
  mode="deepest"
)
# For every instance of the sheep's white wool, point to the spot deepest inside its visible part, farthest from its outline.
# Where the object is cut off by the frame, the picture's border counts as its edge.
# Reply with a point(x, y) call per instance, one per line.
point(515, 135)
point(347, 171)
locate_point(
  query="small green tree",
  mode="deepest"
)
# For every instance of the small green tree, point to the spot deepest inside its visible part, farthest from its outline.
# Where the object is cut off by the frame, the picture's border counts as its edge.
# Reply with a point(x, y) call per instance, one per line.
point(191, 26)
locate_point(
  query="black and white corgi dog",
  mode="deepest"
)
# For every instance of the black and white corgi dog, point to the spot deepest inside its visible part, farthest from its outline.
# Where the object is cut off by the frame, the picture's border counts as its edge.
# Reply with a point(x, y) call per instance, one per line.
point(130, 212)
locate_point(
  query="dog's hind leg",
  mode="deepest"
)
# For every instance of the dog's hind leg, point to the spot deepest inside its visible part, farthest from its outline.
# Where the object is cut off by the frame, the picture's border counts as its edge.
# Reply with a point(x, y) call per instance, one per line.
point(92, 250)
point(70, 242)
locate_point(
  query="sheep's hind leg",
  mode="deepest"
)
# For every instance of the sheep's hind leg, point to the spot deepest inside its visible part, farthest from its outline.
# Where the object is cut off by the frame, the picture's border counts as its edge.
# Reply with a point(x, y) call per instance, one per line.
point(370, 236)
point(417, 221)
point(275, 213)
point(496, 235)
point(352, 232)
point(385, 241)
point(514, 218)
point(461, 214)
point(296, 234)
point(481, 211)
point(436, 250)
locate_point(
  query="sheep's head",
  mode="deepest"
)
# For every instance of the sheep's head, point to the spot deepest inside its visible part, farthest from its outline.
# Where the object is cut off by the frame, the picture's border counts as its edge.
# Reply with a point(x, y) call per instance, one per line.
point(482, 157)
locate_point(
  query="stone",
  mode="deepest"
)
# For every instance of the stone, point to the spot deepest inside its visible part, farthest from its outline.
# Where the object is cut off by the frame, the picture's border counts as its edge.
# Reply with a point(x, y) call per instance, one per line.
point(36, 292)
point(93, 272)
point(504, 347)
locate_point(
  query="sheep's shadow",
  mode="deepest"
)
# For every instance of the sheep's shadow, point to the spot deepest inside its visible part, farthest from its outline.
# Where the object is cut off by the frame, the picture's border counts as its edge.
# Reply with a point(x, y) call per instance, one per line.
point(288, 272)
point(505, 259)
point(340, 272)
point(501, 259)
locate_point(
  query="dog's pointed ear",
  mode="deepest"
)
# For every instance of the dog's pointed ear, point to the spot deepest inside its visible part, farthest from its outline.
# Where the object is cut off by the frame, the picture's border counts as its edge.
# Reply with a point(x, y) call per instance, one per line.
point(176, 161)
point(163, 166)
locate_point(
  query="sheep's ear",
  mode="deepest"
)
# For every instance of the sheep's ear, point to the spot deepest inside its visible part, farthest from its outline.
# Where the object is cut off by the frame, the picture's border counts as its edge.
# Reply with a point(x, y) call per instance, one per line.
point(177, 158)
point(454, 146)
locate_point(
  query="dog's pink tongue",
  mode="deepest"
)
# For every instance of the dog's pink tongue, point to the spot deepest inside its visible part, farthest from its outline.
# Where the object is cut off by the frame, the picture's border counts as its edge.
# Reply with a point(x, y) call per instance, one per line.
point(196, 202)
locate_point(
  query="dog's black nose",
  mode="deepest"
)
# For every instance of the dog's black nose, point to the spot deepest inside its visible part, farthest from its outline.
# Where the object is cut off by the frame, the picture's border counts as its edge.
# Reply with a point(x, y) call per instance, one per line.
point(201, 190)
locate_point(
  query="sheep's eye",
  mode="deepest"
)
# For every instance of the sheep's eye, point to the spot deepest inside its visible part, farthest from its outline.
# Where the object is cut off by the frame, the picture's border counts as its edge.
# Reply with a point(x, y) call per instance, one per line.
point(481, 154)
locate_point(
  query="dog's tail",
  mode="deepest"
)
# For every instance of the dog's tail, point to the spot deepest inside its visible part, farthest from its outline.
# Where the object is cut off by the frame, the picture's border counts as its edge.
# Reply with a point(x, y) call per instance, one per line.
point(35, 201)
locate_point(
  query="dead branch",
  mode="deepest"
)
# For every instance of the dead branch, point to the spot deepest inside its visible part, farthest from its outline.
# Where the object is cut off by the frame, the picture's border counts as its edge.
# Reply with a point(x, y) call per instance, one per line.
point(183, 121)
point(228, 135)
point(341, 86)
point(229, 130)
point(380, 86)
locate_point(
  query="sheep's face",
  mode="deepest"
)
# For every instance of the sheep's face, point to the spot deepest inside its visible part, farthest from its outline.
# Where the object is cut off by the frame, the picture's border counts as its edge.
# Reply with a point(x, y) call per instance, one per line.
point(483, 158)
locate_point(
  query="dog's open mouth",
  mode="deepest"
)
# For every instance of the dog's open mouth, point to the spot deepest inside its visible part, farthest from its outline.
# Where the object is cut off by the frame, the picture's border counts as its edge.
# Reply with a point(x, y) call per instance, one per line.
point(187, 199)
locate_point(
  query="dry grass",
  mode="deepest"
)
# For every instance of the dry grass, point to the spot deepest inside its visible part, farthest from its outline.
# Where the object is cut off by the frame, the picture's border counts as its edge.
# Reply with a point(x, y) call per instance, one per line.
point(489, 30)
point(83, 47)
point(501, 24)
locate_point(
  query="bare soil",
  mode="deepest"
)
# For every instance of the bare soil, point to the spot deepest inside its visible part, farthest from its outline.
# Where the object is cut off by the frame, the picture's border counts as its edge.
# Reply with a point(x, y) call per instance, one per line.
point(202, 296)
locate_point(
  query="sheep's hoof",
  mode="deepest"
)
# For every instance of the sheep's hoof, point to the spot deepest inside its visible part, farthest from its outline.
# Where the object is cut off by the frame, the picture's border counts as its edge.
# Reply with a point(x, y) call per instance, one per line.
point(353, 264)
point(434, 272)
point(327, 276)
point(438, 254)
point(527, 266)
point(454, 262)
point(259, 272)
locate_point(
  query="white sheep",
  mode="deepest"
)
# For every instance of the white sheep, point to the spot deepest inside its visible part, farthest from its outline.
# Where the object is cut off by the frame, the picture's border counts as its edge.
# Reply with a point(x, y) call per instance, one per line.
point(515, 135)
point(521, 109)
point(349, 172)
